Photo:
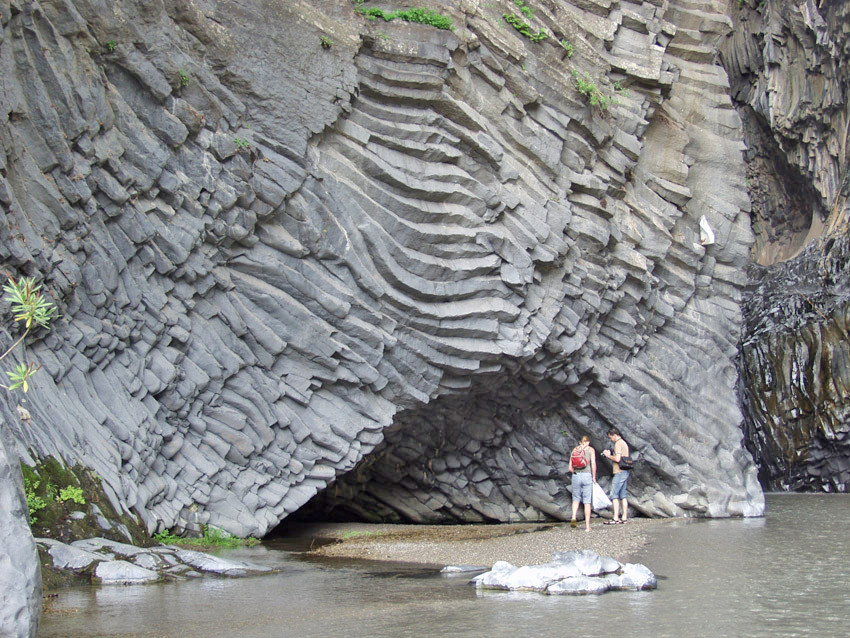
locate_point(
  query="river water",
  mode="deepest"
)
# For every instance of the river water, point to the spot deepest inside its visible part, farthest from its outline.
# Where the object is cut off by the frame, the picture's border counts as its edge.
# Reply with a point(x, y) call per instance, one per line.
point(787, 574)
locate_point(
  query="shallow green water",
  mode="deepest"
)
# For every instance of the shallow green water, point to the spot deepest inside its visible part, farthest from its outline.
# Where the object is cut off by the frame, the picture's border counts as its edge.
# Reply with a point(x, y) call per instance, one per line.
point(784, 575)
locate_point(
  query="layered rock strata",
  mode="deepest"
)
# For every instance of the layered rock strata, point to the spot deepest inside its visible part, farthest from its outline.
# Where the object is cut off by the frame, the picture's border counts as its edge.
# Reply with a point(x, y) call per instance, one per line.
point(421, 255)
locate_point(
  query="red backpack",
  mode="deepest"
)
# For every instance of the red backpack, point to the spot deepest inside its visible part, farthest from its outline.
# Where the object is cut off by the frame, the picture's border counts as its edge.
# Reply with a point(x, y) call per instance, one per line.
point(578, 458)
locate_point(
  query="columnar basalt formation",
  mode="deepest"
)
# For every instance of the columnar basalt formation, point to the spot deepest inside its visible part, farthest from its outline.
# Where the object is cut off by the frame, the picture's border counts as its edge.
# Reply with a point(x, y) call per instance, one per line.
point(788, 66)
point(421, 255)
point(795, 364)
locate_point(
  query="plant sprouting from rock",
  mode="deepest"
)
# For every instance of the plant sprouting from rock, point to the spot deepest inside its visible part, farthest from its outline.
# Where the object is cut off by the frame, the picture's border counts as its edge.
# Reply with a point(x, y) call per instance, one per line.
point(413, 14)
point(524, 9)
point(524, 28)
point(71, 493)
point(30, 308)
point(34, 502)
point(594, 94)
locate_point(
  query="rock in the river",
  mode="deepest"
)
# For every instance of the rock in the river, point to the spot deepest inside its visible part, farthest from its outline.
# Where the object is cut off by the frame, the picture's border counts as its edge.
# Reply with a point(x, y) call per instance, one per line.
point(102, 561)
point(215, 565)
point(120, 572)
point(576, 572)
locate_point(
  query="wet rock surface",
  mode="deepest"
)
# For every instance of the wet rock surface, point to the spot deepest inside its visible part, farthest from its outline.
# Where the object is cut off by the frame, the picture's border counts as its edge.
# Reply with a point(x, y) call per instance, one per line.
point(795, 362)
point(105, 562)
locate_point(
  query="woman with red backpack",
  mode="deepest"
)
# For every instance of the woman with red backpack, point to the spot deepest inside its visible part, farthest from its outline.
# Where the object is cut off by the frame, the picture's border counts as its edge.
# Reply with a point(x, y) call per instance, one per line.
point(583, 467)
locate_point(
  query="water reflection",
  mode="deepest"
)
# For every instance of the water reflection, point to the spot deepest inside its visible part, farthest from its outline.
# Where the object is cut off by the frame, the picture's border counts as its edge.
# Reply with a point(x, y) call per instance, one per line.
point(784, 575)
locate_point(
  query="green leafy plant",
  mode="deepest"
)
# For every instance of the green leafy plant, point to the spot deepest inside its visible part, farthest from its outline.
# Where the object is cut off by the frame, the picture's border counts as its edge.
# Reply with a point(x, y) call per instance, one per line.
point(241, 143)
point(71, 493)
point(524, 9)
point(413, 14)
point(30, 307)
point(619, 90)
point(567, 47)
point(184, 78)
point(34, 502)
point(588, 88)
point(524, 28)
point(110, 45)
point(326, 42)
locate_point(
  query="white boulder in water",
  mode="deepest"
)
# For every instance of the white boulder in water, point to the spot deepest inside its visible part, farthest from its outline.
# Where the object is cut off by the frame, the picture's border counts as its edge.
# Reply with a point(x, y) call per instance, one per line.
point(575, 572)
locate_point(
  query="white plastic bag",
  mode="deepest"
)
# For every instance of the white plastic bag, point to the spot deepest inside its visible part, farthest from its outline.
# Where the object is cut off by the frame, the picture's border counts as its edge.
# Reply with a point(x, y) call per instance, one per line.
point(599, 499)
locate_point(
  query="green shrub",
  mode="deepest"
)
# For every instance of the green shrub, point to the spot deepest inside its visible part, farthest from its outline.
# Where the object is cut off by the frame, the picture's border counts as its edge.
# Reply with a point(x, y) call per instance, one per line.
point(34, 502)
point(326, 42)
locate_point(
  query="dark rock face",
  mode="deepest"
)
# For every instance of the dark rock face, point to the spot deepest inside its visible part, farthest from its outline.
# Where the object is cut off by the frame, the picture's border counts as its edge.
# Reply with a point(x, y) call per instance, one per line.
point(420, 255)
point(795, 362)
point(788, 66)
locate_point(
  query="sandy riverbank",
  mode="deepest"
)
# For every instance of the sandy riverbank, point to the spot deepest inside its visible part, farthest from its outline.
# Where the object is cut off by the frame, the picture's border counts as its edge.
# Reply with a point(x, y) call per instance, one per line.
point(482, 545)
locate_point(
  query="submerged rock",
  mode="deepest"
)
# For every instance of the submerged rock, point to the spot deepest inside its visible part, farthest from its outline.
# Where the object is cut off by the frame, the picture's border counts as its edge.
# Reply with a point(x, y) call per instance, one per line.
point(120, 572)
point(575, 572)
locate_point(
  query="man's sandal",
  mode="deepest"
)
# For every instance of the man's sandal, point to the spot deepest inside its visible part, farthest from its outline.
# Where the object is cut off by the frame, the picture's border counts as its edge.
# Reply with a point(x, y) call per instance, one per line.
point(613, 522)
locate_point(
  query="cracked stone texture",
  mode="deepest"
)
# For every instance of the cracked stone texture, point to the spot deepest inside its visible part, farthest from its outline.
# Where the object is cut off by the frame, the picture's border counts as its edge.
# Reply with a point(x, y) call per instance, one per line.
point(788, 67)
point(417, 254)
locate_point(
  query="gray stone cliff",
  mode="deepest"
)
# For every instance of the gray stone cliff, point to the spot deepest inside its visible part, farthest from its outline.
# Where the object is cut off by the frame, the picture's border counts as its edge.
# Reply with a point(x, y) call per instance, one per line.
point(789, 66)
point(414, 265)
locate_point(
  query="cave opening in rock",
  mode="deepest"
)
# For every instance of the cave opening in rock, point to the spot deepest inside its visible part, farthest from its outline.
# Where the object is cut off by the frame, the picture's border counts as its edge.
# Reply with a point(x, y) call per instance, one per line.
point(462, 459)
point(787, 210)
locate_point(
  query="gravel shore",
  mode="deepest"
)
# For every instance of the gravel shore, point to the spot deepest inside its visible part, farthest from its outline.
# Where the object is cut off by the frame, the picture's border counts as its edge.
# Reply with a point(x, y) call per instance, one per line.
point(480, 545)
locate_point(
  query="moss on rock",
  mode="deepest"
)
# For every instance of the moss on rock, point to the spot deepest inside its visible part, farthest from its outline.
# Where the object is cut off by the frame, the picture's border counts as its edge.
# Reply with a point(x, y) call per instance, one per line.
point(59, 514)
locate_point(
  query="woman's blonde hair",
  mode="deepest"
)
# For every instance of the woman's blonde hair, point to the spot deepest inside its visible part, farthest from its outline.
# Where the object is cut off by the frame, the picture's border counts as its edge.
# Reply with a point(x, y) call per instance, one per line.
point(585, 439)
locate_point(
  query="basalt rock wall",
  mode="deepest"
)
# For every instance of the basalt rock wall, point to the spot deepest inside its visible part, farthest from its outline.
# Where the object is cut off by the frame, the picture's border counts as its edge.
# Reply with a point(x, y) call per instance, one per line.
point(293, 248)
point(788, 68)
